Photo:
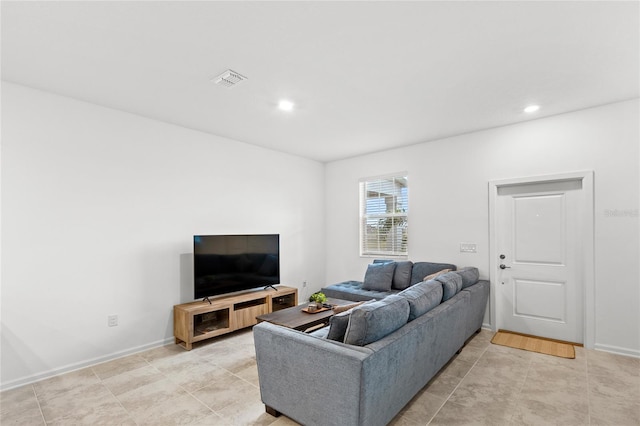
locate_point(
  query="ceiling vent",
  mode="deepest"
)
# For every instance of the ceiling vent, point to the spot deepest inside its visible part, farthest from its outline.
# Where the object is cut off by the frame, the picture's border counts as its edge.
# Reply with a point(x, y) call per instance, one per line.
point(229, 79)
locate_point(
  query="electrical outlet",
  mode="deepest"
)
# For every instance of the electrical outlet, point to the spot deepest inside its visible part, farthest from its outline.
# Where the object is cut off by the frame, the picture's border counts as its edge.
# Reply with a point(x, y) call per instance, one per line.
point(304, 284)
point(112, 320)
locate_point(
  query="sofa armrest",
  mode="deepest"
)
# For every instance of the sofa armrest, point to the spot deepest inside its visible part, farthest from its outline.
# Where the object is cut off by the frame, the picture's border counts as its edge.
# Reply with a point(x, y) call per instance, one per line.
point(479, 293)
point(293, 365)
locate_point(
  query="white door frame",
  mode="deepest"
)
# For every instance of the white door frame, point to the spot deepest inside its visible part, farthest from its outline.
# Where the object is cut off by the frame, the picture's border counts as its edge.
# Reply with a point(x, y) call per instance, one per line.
point(588, 252)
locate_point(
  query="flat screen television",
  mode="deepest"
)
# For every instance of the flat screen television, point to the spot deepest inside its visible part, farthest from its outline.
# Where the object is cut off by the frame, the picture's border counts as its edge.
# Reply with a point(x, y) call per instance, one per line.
point(229, 263)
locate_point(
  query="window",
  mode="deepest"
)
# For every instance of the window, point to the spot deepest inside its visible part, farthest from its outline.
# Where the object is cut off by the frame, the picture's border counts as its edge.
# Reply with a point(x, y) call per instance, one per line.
point(384, 205)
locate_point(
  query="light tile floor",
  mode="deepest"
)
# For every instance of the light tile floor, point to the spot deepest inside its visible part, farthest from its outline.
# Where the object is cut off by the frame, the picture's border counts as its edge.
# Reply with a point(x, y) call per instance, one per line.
point(217, 384)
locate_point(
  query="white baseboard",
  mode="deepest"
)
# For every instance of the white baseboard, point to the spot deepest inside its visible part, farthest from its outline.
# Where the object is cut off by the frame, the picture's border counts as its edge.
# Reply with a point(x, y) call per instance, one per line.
point(617, 350)
point(83, 364)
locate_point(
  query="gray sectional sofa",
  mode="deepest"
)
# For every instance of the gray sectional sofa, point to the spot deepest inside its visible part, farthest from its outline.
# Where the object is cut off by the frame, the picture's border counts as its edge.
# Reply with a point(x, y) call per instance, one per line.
point(404, 275)
point(370, 361)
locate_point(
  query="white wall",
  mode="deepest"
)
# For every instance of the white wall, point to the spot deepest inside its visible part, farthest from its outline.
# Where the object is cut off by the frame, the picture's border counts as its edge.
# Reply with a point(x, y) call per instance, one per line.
point(98, 212)
point(99, 206)
point(448, 201)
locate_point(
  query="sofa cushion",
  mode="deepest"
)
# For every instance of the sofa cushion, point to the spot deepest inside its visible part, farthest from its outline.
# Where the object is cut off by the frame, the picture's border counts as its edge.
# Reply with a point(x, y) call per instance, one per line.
point(402, 275)
point(352, 290)
point(422, 297)
point(379, 276)
point(373, 321)
point(469, 275)
point(338, 326)
point(422, 269)
point(451, 284)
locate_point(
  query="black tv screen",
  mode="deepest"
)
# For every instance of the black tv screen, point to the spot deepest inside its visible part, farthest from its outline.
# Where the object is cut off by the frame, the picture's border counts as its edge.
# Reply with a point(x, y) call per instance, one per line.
point(229, 263)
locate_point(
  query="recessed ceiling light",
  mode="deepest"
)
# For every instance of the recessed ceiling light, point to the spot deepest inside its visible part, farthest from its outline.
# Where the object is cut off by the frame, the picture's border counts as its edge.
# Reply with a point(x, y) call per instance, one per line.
point(285, 105)
point(531, 108)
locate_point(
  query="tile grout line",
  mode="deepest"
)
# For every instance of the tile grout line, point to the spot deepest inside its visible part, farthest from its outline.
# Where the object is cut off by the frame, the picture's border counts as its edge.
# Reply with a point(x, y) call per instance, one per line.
point(195, 390)
point(201, 402)
point(586, 367)
point(519, 394)
point(35, 394)
point(111, 392)
point(191, 393)
point(456, 387)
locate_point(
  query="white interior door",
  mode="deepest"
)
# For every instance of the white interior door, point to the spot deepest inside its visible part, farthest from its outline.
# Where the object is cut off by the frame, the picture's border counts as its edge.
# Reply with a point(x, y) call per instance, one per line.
point(539, 249)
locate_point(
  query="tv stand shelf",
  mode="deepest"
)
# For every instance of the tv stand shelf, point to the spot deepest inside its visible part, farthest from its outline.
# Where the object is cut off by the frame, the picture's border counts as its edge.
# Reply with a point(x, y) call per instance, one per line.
point(200, 320)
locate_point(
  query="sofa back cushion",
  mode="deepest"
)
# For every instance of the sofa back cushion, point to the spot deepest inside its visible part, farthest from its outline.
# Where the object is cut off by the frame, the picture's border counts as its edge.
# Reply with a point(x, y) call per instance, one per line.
point(402, 273)
point(338, 326)
point(422, 297)
point(339, 322)
point(373, 321)
point(451, 284)
point(379, 276)
point(469, 275)
point(421, 269)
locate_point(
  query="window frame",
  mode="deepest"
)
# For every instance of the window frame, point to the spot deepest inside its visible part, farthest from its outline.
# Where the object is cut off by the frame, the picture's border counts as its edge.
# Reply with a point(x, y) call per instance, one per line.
point(366, 251)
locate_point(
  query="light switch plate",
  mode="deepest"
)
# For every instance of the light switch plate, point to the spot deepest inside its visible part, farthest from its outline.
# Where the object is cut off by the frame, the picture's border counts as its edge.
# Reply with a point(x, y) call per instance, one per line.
point(468, 248)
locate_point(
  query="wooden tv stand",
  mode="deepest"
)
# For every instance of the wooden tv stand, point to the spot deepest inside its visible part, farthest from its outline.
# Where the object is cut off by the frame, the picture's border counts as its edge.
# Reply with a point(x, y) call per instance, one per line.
point(200, 320)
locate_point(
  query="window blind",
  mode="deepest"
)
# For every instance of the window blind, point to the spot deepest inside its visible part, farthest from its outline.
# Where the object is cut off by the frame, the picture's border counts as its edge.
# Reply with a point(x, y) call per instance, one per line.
point(384, 207)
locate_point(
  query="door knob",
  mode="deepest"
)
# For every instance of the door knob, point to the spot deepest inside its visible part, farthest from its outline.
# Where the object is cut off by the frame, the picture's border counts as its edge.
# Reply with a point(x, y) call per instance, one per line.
point(502, 266)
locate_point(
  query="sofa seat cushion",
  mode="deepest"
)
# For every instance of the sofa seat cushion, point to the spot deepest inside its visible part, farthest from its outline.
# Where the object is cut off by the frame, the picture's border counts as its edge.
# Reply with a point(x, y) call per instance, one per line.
point(422, 297)
point(421, 269)
point(321, 332)
point(373, 321)
point(352, 290)
point(379, 276)
point(469, 275)
point(451, 284)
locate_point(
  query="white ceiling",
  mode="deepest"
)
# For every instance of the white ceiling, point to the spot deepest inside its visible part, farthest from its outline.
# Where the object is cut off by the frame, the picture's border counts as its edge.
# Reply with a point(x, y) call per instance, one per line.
point(365, 76)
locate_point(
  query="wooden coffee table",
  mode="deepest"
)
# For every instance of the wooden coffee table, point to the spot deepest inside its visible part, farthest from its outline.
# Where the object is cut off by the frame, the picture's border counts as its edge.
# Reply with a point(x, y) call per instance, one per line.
point(295, 318)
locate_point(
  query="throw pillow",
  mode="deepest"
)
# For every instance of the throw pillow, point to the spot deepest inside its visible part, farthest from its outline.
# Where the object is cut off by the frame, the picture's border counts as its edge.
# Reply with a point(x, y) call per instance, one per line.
point(451, 285)
point(379, 276)
point(338, 326)
point(469, 276)
point(422, 297)
point(343, 308)
point(373, 321)
point(436, 274)
point(402, 275)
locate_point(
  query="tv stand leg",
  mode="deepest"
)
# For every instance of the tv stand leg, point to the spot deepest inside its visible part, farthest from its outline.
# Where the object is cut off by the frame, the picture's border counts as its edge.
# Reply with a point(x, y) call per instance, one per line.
point(271, 287)
point(272, 411)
